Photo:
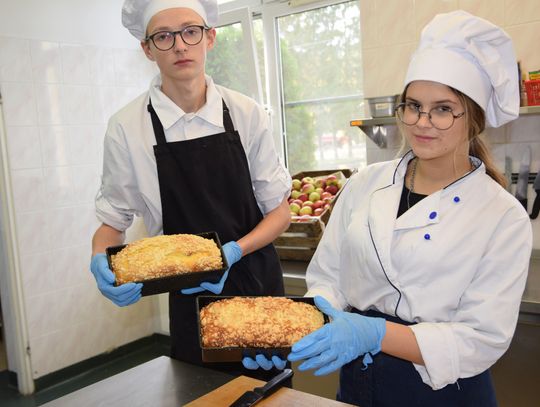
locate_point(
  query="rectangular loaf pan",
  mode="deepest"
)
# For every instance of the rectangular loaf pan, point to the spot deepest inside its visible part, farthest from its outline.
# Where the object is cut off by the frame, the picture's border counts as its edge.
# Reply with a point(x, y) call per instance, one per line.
point(177, 282)
point(236, 354)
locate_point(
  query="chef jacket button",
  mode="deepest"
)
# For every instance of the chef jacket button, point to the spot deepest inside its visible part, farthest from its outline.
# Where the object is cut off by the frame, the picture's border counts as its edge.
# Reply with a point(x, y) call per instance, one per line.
point(433, 215)
point(456, 199)
point(427, 236)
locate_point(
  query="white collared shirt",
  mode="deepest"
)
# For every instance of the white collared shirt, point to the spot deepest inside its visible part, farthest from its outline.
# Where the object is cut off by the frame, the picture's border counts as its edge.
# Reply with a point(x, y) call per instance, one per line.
point(130, 182)
point(456, 263)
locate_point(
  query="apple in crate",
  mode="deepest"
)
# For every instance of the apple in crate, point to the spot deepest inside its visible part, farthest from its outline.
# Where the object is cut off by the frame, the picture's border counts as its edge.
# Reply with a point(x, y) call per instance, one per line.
point(296, 184)
point(305, 210)
point(307, 180)
point(314, 196)
point(318, 211)
point(332, 189)
point(332, 180)
point(294, 208)
point(325, 195)
point(295, 194)
point(320, 183)
point(308, 188)
point(303, 197)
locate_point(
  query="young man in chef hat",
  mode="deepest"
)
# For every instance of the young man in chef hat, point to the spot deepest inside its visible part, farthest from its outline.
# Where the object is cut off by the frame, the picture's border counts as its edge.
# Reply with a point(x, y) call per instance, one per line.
point(425, 258)
point(190, 156)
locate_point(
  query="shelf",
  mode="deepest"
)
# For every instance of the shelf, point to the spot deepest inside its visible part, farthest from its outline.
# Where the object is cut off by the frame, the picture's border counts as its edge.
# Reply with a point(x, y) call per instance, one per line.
point(378, 121)
point(525, 110)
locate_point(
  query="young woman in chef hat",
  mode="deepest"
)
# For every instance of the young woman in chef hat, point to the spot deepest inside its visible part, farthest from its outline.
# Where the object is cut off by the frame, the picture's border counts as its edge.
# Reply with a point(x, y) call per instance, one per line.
point(190, 156)
point(424, 261)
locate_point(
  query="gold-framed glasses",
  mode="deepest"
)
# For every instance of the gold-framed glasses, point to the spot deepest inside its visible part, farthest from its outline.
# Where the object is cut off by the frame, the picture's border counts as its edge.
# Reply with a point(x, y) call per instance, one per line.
point(441, 117)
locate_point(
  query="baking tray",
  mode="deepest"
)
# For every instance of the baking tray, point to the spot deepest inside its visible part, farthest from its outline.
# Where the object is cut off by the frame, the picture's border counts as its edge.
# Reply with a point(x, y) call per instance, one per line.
point(236, 354)
point(177, 282)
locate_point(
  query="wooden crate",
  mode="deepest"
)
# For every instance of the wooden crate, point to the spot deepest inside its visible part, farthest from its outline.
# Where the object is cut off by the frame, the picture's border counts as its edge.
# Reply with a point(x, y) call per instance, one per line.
point(300, 240)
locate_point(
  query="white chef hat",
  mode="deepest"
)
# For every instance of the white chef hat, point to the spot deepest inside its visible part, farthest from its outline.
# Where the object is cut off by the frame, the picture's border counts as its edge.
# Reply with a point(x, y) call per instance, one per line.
point(473, 56)
point(137, 13)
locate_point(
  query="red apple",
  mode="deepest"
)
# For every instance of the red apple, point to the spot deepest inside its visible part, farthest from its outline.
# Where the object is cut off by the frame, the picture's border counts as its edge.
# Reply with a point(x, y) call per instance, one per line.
point(307, 180)
point(299, 202)
point(308, 188)
point(332, 189)
point(328, 200)
point(318, 204)
point(326, 195)
point(331, 180)
point(320, 183)
point(326, 206)
point(303, 197)
point(318, 211)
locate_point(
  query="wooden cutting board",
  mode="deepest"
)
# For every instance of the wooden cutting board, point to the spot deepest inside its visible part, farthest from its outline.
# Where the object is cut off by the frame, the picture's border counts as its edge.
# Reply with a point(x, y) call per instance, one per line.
point(229, 392)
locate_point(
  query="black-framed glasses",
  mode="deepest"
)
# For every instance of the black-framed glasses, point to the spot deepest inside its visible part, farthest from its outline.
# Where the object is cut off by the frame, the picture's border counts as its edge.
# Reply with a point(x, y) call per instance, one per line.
point(441, 117)
point(165, 40)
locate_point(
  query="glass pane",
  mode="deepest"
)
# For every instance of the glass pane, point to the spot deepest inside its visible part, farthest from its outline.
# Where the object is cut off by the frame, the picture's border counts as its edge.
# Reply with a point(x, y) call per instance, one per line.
point(322, 87)
point(226, 62)
point(259, 45)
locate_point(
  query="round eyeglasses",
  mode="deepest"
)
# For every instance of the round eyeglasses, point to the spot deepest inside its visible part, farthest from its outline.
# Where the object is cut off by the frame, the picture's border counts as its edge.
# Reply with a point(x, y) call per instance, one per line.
point(441, 117)
point(165, 40)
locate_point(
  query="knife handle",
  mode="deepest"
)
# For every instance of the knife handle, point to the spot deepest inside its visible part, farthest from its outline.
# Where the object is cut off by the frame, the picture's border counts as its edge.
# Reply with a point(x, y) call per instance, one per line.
point(272, 384)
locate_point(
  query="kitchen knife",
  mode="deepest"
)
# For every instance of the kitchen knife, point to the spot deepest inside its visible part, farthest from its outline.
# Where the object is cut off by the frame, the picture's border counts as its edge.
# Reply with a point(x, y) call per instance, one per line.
point(252, 397)
point(523, 177)
point(536, 204)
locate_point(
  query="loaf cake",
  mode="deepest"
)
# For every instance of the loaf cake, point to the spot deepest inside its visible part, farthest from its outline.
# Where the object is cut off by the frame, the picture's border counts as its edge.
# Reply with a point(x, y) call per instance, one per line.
point(161, 256)
point(258, 322)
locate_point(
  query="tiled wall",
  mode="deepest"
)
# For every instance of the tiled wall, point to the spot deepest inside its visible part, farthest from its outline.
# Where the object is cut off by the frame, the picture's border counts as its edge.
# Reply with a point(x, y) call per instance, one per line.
point(57, 98)
point(390, 32)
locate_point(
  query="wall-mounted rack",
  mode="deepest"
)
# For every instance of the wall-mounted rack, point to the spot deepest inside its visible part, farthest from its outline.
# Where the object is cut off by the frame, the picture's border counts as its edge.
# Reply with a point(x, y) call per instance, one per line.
point(377, 128)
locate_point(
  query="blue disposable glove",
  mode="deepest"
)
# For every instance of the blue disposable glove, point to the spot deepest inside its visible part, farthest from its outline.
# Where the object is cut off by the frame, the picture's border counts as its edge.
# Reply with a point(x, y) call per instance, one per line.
point(122, 295)
point(261, 362)
point(342, 340)
point(233, 253)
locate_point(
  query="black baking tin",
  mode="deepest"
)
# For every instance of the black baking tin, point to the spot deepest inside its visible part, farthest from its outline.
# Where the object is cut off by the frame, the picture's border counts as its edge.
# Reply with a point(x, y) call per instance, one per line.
point(177, 282)
point(236, 354)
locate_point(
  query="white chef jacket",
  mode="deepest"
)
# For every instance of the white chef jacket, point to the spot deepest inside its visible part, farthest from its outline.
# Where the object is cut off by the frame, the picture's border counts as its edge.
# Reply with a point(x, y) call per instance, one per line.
point(130, 182)
point(456, 263)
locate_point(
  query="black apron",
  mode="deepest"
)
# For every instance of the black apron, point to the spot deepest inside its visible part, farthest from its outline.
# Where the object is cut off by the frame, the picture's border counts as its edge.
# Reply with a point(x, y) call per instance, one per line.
point(390, 381)
point(205, 185)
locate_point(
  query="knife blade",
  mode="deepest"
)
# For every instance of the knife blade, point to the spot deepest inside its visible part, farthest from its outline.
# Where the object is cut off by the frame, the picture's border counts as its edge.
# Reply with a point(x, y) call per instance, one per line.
point(523, 177)
point(252, 397)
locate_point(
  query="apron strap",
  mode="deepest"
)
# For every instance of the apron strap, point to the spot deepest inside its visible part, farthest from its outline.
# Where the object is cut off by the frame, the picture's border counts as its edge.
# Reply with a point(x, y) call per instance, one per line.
point(227, 121)
point(156, 124)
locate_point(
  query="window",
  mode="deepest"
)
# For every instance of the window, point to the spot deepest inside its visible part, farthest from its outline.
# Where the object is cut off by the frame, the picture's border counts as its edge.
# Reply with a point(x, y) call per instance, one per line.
point(310, 61)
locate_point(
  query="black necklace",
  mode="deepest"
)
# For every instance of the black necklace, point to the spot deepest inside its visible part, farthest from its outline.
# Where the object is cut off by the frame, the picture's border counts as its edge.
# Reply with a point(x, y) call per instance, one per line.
point(413, 174)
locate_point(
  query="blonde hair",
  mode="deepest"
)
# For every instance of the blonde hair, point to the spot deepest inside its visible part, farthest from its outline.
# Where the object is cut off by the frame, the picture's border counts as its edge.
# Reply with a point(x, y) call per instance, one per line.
point(475, 118)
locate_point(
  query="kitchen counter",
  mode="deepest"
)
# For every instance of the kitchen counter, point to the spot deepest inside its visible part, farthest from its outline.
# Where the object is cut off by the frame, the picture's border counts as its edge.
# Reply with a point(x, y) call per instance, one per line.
point(160, 382)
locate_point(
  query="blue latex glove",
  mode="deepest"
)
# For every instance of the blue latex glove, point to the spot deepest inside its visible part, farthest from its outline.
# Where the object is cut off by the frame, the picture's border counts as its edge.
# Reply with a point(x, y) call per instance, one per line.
point(261, 362)
point(233, 253)
point(122, 295)
point(342, 340)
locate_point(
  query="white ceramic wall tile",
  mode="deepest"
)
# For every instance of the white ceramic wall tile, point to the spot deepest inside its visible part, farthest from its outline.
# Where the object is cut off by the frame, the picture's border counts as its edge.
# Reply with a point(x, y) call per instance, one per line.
point(86, 182)
point(15, 62)
point(526, 129)
point(54, 145)
point(33, 232)
point(46, 62)
point(75, 64)
point(369, 24)
point(496, 135)
point(102, 66)
point(19, 104)
point(84, 224)
point(491, 10)
point(425, 10)
point(127, 67)
point(105, 104)
point(524, 37)
point(521, 11)
point(59, 186)
point(77, 105)
point(391, 73)
point(61, 223)
point(394, 21)
point(38, 274)
point(24, 149)
point(82, 144)
point(28, 187)
point(49, 104)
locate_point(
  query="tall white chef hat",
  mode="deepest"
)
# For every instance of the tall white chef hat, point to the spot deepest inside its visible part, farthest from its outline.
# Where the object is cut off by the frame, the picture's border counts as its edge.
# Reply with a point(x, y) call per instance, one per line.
point(473, 56)
point(137, 13)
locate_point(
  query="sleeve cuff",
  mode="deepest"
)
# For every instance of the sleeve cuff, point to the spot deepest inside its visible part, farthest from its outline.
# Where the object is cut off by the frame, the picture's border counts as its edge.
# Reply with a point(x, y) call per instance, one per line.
point(439, 352)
